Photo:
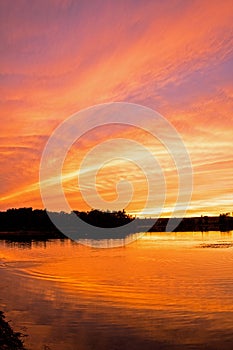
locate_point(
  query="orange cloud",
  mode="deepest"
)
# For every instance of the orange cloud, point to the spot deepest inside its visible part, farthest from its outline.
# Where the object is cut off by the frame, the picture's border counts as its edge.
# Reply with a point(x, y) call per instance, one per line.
point(60, 57)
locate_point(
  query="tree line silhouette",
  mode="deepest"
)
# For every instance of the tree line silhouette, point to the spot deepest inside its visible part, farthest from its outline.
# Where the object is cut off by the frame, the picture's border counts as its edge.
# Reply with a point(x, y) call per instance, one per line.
point(223, 222)
point(35, 223)
point(27, 219)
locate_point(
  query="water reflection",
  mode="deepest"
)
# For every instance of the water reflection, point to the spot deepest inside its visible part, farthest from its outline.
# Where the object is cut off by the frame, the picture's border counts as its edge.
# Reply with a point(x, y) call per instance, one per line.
point(29, 244)
point(161, 292)
point(111, 242)
point(102, 242)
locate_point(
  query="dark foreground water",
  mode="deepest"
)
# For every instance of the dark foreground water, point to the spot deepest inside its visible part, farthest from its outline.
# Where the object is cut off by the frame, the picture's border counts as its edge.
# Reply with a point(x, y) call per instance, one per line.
point(164, 291)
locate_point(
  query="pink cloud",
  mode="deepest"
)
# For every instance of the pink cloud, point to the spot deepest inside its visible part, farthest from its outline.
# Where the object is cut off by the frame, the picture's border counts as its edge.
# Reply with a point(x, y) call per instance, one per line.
point(60, 56)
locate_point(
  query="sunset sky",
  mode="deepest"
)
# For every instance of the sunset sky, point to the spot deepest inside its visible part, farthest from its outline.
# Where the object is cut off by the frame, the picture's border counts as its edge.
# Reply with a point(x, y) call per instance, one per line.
point(176, 57)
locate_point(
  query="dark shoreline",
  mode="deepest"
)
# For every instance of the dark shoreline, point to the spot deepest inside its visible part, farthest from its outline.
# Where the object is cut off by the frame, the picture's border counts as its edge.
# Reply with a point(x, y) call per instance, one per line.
point(24, 235)
point(196, 224)
point(9, 340)
point(35, 224)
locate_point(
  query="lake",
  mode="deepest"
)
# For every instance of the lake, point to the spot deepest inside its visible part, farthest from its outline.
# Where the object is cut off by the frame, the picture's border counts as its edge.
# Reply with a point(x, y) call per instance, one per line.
point(163, 291)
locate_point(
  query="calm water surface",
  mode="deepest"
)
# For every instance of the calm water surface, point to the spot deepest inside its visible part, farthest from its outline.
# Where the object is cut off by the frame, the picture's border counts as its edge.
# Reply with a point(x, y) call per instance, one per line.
point(164, 291)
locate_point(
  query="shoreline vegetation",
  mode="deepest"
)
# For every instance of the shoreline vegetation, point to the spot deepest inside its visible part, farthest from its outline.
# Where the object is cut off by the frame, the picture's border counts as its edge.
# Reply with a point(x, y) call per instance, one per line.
point(26, 223)
point(9, 340)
